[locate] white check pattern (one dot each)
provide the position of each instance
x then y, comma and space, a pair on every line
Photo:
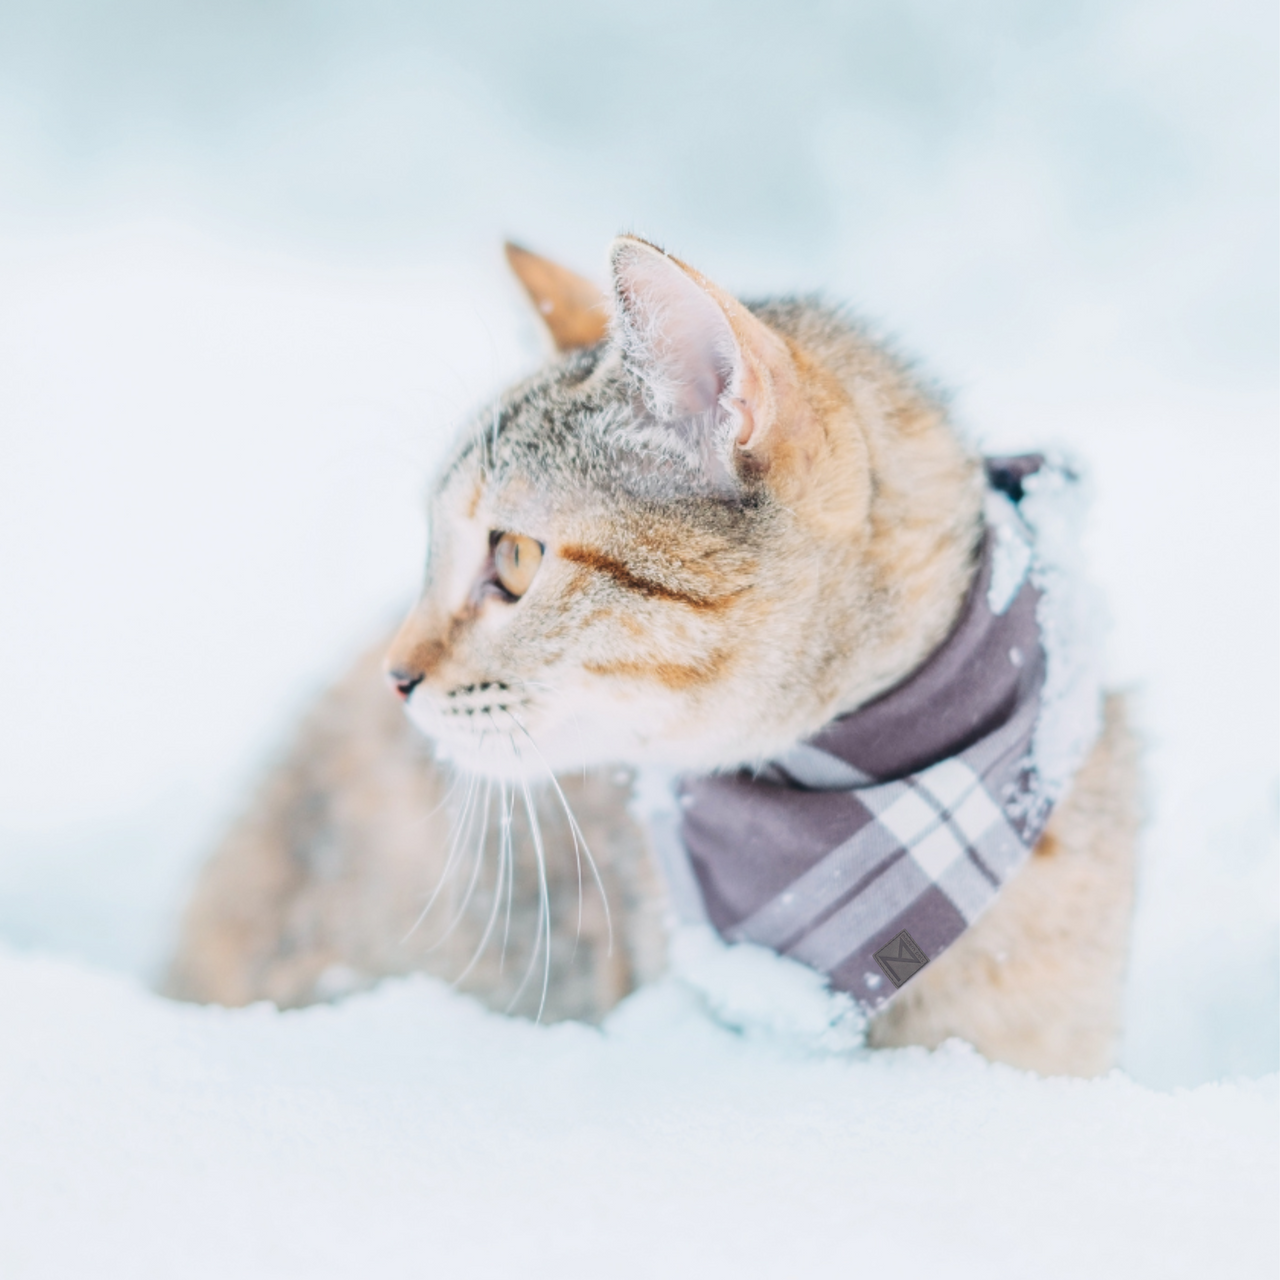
938, 829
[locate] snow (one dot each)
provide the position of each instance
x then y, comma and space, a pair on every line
1011, 551
1068, 614
406, 1132
251, 282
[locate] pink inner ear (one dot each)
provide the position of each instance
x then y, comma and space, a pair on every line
676, 333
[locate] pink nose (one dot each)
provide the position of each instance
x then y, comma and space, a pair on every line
404, 682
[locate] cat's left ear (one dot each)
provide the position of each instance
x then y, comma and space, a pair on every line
575, 312
706, 362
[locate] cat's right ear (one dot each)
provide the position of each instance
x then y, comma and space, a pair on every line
720, 383
575, 312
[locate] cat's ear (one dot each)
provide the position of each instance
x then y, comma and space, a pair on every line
704, 360
575, 312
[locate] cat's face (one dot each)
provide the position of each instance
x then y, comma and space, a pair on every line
654, 550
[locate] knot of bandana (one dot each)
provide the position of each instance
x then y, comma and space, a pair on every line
867, 850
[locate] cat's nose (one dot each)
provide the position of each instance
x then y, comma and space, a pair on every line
404, 682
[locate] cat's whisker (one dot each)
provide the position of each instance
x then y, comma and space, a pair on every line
454, 845
497, 890
495, 366
554, 696
493, 439
478, 862
460, 842
458, 776
506, 850
543, 931
509, 847
579, 840
572, 829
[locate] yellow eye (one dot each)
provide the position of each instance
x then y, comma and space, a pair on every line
515, 561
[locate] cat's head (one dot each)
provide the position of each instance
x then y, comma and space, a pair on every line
669, 544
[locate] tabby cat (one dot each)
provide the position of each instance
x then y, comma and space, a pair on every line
693, 538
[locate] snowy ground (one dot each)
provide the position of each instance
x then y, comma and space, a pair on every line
249, 282
409, 1133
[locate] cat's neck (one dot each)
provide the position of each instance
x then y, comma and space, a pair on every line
912, 565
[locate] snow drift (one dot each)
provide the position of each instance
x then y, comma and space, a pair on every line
408, 1132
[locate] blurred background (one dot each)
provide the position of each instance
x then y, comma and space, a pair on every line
250, 280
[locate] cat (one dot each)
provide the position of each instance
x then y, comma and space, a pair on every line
700, 533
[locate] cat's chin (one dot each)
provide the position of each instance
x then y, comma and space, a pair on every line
531, 751
501, 762
511, 760
515, 760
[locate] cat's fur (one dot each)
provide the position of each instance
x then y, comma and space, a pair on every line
755, 519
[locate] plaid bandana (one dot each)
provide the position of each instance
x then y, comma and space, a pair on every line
868, 850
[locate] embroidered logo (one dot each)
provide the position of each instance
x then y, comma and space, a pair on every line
901, 959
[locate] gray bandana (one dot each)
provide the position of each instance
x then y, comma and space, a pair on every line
866, 851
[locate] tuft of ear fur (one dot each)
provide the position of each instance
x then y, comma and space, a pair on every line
721, 381
673, 333
575, 312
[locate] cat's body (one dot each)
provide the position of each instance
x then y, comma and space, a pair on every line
737, 523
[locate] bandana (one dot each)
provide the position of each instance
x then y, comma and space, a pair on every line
867, 850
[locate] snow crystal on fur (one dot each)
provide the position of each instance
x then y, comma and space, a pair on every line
1069, 613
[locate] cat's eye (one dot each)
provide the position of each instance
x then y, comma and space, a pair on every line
515, 561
